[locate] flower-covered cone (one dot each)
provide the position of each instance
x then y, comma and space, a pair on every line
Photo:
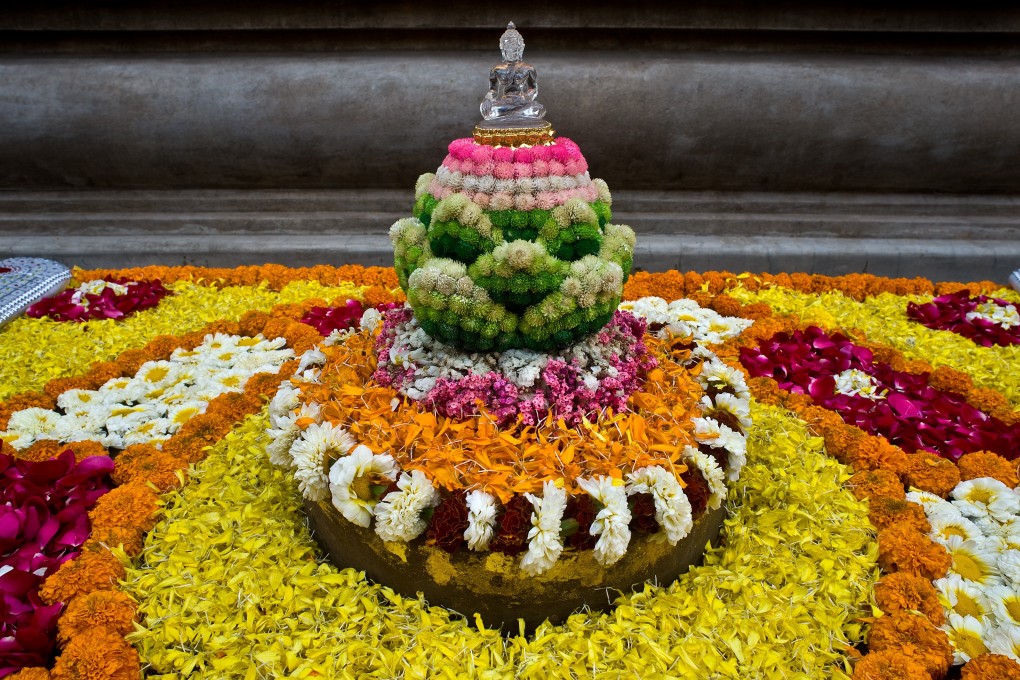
512, 247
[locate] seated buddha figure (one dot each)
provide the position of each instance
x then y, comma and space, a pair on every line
513, 87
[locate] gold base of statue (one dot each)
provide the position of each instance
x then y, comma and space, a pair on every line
533, 135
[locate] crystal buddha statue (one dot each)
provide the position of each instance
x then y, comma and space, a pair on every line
513, 87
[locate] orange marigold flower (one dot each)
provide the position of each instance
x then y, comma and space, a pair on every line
988, 464
701, 298
889, 665
131, 505
990, 667
764, 389
1006, 415
233, 406
948, 379
112, 610
301, 337
102, 371
43, 449
903, 548
917, 366
131, 360
96, 568
873, 453
901, 591
32, 673
913, 636
263, 384
987, 399
19, 402
150, 466
86, 449
884, 512
130, 539
97, 655
162, 346
726, 305
875, 484
931, 473
58, 386
756, 311
377, 295
888, 355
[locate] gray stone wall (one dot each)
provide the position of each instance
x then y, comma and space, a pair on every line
734, 137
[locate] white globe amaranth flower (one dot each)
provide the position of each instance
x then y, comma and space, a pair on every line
421, 186
481, 520
672, 508
544, 542
398, 515
612, 523
345, 474
313, 452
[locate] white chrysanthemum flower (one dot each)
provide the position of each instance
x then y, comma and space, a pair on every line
398, 515
85, 426
717, 376
1005, 603
544, 542
672, 509
945, 525
481, 520
963, 597
728, 403
224, 380
337, 337
930, 502
124, 418
183, 412
967, 636
1005, 639
313, 357
150, 431
986, 496
313, 452
157, 373
711, 432
989, 526
612, 523
371, 319
285, 400
218, 342
288, 429
855, 382
78, 402
973, 560
1008, 563
654, 309
716, 329
350, 479
711, 472
262, 362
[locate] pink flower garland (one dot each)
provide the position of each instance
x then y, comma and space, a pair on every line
913, 414
43, 522
105, 305
949, 313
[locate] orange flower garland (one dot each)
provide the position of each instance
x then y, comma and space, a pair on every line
904, 548
902, 592
885, 511
97, 655
915, 637
931, 473
890, 665
988, 464
991, 667
876, 484
110, 610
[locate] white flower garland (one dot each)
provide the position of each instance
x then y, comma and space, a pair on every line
398, 515
544, 542
672, 508
612, 523
311, 452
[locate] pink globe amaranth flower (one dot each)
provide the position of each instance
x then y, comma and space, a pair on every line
503, 154
482, 199
524, 202
481, 153
501, 201
575, 167
462, 149
540, 168
504, 170
546, 200
556, 169
542, 154
523, 170
524, 155
560, 152
467, 166
435, 187
483, 168
451, 163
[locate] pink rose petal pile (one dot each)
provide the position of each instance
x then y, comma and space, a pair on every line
43, 522
107, 304
949, 313
913, 415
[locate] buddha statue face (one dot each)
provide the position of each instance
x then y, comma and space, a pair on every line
511, 44
513, 87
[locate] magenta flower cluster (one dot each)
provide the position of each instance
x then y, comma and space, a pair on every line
107, 304
949, 313
43, 523
561, 391
913, 415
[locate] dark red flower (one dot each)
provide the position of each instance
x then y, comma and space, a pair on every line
696, 489
449, 521
642, 514
581, 508
329, 319
511, 536
949, 313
